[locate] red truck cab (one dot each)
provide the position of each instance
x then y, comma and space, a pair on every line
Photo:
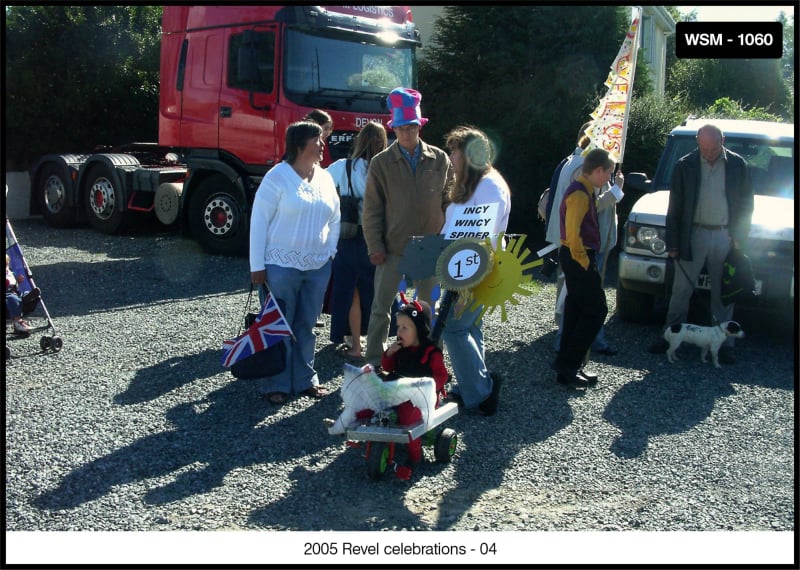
232, 78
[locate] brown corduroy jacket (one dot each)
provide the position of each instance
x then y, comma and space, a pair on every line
399, 204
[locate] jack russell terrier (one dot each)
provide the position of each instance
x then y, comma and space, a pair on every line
707, 338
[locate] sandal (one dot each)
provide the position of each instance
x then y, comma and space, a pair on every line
316, 392
276, 398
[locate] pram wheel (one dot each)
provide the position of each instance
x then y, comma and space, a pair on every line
377, 460
54, 342
445, 446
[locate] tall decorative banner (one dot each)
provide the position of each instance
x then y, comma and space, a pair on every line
610, 124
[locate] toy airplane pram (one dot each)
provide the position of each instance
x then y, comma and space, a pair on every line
365, 389
25, 286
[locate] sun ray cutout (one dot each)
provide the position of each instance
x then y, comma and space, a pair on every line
505, 278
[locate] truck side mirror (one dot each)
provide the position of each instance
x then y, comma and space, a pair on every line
637, 181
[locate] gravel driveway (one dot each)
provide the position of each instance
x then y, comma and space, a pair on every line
134, 425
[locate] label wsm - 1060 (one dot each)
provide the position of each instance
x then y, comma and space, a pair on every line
729, 40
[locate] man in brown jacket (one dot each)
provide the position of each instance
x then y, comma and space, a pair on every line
406, 195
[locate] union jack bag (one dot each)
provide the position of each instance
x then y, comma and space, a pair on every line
261, 350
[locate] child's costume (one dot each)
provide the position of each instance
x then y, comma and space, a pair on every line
417, 361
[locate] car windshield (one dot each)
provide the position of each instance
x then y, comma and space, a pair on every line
771, 162
348, 73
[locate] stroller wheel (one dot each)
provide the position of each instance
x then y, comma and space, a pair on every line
56, 343
445, 446
44, 342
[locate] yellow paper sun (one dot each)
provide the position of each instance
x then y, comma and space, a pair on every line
505, 279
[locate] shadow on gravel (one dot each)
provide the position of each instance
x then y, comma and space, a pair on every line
141, 268
212, 436
533, 407
674, 397
375, 505
660, 404
154, 381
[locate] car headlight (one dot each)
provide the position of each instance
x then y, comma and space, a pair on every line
647, 237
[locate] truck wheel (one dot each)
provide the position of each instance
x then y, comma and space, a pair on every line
445, 446
51, 193
634, 306
104, 200
217, 217
377, 460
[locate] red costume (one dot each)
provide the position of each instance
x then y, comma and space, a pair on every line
425, 360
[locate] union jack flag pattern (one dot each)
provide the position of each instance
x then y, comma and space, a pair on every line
270, 327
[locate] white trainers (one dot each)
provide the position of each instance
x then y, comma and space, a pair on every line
21, 326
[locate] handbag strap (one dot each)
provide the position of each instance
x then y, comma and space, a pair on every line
348, 167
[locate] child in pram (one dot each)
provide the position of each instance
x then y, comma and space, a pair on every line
17, 303
414, 355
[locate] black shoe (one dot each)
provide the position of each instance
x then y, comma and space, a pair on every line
607, 351
658, 347
725, 355
572, 381
489, 406
590, 377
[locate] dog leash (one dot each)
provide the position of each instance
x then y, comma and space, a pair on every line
714, 320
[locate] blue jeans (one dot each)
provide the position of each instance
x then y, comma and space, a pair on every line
464, 341
13, 305
301, 293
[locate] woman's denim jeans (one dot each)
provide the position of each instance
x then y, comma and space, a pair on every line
300, 294
464, 341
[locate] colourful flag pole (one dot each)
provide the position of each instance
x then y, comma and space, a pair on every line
610, 119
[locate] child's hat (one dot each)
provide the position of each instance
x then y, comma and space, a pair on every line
404, 106
415, 311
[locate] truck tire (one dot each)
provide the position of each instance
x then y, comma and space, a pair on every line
104, 200
217, 217
51, 194
634, 306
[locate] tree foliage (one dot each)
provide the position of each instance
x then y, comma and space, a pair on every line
78, 76
527, 75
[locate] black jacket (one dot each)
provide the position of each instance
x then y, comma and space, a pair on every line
683, 200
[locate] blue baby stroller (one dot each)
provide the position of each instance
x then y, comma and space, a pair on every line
29, 293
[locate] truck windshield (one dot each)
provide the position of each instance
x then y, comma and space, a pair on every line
771, 162
349, 75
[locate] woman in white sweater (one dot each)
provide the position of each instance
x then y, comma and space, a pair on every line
477, 183
294, 228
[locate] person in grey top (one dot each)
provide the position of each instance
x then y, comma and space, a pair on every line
710, 209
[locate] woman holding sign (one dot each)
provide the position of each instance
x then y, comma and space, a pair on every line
478, 189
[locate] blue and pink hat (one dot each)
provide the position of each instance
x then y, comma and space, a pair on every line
404, 107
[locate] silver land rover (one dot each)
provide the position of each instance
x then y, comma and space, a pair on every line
768, 149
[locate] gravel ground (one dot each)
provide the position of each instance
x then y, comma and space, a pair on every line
134, 425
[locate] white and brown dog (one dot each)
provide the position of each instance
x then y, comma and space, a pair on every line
707, 338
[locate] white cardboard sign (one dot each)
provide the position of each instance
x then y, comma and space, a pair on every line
471, 221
